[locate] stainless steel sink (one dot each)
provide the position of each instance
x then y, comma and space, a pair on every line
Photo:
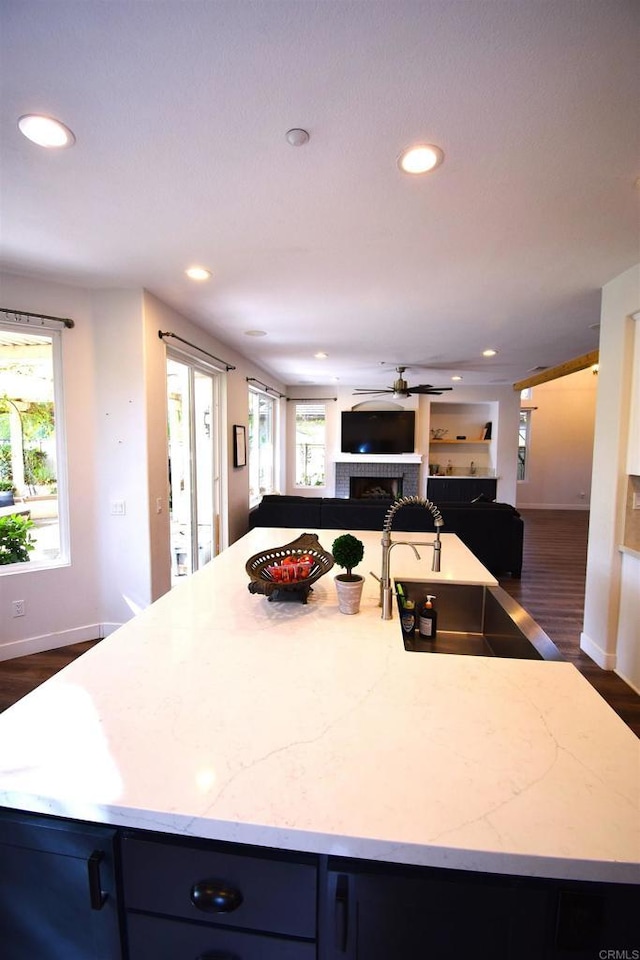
478, 621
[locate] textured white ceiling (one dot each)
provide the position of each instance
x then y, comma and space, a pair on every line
180, 110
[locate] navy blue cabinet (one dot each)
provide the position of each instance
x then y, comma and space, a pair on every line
202, 899
376, 911
58, 890
460, 490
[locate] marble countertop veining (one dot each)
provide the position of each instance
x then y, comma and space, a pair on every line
216, 713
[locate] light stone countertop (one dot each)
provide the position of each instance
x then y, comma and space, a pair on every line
216, 713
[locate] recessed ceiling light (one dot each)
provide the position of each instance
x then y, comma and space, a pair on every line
321, 355
46, 131
489, 353
297, 137
198, 273
420, 159
255, 333
456, 378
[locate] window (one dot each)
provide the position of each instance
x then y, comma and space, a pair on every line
524, 431
32, 458
261, 445
193, 391
310, 444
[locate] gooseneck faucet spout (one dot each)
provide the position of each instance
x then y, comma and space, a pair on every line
388, 544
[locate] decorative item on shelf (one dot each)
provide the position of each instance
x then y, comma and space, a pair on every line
438, 433
461, 436
348, 551
486, 431
472, 469
449, 468
288, 572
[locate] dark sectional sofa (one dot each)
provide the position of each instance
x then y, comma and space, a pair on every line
493, 531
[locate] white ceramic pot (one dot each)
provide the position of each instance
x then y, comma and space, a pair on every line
349, 592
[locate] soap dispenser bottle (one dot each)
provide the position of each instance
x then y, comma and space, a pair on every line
428, 619
408, 618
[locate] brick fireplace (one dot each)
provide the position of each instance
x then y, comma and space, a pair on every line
354, 477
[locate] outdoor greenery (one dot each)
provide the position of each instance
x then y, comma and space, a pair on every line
37, 424
15, 539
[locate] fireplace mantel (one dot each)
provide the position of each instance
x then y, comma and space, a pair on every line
378, 458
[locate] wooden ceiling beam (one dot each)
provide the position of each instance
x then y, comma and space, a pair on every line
552, 373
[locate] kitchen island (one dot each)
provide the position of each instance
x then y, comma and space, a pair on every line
219, 715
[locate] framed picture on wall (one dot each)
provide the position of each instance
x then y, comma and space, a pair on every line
239, 446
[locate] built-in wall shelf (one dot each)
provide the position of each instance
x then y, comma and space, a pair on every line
434, 442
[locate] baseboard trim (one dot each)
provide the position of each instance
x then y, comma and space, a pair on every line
605, 660
552, 506
628, 682
51, 641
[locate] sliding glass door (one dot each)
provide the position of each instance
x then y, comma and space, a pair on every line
194, 464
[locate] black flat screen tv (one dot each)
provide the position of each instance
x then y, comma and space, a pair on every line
378, 431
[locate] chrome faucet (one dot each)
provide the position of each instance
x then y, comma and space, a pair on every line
388, 544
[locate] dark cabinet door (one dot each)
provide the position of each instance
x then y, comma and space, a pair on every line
458, 490
376, 912
58, 899
377, 916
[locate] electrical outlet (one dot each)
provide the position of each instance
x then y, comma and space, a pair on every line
18, 608
118, 508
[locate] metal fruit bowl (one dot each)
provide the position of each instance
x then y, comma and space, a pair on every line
263, 581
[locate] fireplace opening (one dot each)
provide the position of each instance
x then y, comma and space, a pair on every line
375, 488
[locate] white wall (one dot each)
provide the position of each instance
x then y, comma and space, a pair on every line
560, 458
123, 560
115, 414
620, 299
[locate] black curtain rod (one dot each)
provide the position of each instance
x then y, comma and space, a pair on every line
167, 333
312, 398
38, 316
265, 386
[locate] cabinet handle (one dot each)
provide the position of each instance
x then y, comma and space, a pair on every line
96, 896
214, 896
342, 912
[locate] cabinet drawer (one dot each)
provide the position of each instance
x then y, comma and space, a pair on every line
176, 940
264, 894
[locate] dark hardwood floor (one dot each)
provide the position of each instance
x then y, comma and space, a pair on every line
19, 676
551, 590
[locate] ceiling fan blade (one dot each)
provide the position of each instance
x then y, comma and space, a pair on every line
428, 388
358, 391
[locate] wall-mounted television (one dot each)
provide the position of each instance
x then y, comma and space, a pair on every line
378, 431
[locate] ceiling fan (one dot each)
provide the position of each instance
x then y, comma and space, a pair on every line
401, 388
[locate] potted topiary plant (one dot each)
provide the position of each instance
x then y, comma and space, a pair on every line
15, 538
347, 552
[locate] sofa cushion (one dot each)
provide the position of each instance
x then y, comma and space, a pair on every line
283, 511
340, 514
